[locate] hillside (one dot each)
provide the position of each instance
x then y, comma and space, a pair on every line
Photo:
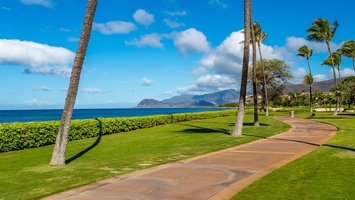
185, 101
321, 86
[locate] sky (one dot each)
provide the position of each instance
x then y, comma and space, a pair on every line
156, 49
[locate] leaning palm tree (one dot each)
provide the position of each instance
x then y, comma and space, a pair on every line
238, 125
348, 50
255, 94
321, 30
304, 52
58, 156
308, 79
260, 36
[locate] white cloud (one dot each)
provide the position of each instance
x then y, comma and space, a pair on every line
191, 40
92, 90
41, 88
347, 72
173, 24
152, 40
38, 58
142, 17
146, 81
176, 13
114, 27
46, 3
294, 43
209, 83
35, 102
219, 2
320, 77
299, 73
227, 58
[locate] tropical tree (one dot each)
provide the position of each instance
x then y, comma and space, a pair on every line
308, 79
304, 52
321, 30
238, 125
348, 90
255, 94
58, 156
336, 60
260, 36
277, 73
348, 50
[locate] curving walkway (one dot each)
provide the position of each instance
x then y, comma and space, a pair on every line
217, 175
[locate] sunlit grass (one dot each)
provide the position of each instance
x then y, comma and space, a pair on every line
326, 173
26, 175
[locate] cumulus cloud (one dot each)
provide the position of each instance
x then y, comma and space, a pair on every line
219, 2
38, 58
191, 40
146, 81
173, 24
92, 90
41, 88
347, 72
294, 43
142, 17
114, 27
319, 77
209, 83
152, 40
46, 3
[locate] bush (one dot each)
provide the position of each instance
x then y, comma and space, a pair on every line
17, 136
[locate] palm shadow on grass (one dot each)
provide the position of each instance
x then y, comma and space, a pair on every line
201, 130
81, 153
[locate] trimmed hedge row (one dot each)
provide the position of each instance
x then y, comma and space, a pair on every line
17, 136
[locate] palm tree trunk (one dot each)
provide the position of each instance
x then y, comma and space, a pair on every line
255, 94
264, 84
335, 79
309, 66
311, 98
58, 156
238, 125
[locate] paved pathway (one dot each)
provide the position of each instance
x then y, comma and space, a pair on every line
216, 176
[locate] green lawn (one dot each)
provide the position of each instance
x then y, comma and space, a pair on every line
26, 175
326, 173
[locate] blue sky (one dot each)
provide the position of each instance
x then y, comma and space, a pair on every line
151, 49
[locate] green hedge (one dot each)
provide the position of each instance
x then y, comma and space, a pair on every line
17, 136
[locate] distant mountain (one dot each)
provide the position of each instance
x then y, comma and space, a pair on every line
321, 86
185, 101
215, 98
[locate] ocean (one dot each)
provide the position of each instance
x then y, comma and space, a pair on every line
10, 116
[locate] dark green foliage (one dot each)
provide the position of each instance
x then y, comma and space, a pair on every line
17, 136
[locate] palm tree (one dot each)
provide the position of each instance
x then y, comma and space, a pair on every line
336, 56
348, 50
304, 52
238, 125
255, 94
308, 79
321, 30
58, 156
260, 36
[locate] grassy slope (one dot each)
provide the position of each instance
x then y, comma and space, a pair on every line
326, 173
26, 175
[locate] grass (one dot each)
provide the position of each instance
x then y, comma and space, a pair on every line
326, 173
25, 174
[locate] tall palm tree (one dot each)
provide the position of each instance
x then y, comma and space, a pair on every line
348, 50
58, 156
304, 52
336, 56
308, 79
255, 94
321, 30
260, 36
238, 125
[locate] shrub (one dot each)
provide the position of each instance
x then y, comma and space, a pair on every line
17, 136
